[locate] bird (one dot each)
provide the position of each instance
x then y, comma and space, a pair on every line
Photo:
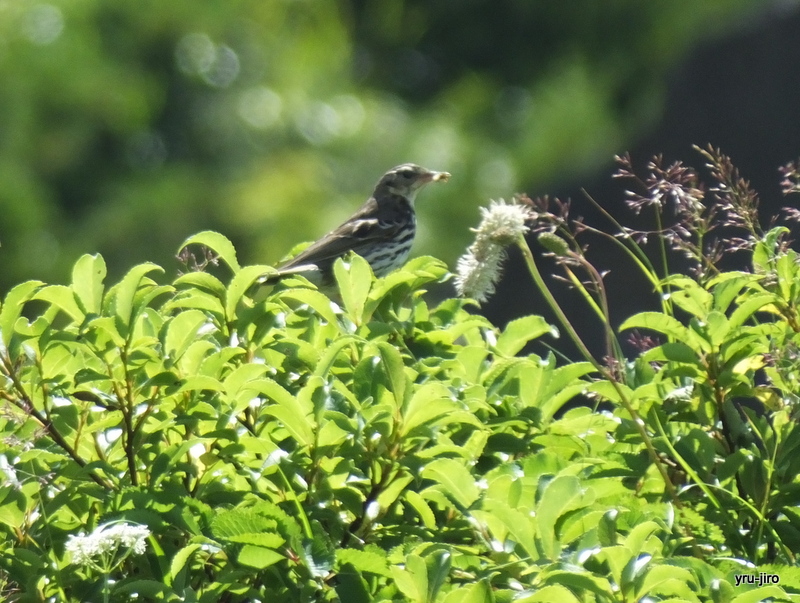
381, 231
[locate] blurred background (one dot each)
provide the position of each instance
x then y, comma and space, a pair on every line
127, 125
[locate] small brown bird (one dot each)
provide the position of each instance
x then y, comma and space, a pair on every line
382, 231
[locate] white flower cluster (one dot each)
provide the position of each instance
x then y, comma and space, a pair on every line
480, 268
106, 540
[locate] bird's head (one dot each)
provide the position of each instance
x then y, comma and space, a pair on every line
406, 180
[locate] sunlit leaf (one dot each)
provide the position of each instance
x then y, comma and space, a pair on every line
12, 307
218, 243
455, 480
125, 295
354, 279
88, 275
519, 332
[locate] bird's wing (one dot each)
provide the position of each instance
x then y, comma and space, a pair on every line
360, 230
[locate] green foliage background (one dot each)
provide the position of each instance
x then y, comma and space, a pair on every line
128, 125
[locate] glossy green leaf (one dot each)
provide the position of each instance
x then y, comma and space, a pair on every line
370, 561
180, 560
12, 306
88, 275
350, 585
562, 494
203, 281
519, 332
354, 279
422, 508
290, 411
62, 298
125, 296
454, 479
412, 580
479, 592
218, 243
320, 303
688, 295
549, 594
392, 364
241, 282
182, 332
259, 557
655, 321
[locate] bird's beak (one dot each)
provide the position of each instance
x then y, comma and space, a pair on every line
437, 177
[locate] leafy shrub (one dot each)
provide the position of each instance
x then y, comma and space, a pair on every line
273, 445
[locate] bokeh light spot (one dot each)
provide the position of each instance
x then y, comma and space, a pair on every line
223, 69
319, 123
260, 107
351, 112
42, 24
195, 54
496, 177
218, 65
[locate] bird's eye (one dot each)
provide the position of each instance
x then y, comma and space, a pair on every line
407, 174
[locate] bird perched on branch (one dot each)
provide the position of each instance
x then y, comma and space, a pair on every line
382, 231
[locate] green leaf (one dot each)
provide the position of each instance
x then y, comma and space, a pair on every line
580, 582
125, 295
618, 558
88, 275
412, 580
391, 492
354, 277
218, 243
675, 351
717, 327
392, 364
764, 593
13, 505
562, 494
656, 321
199, 383
62, 298
197, 300
328, 359
549, 594
229, 524
372, 561
350, 586
479, 592
422, 508
750, 306
639, 535
689, 295
201, 280
669, 581
431, 405
181, 332
241, 282
318, 553
269, 540
456, 481
438, 563
295, 417
12, 307
320, 303
259, 557
519, 332
726, 287
179, 562
145, 589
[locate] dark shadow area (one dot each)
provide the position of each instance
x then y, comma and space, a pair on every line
740, 95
